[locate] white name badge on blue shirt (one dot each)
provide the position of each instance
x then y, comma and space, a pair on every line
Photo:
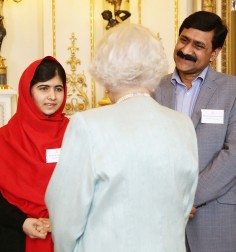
212, 116
52, 155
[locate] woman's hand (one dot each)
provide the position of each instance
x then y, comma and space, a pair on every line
37, 228
34, 228
46, 225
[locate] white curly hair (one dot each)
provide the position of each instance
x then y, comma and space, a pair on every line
129, 55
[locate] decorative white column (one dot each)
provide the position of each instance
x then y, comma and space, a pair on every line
8, 99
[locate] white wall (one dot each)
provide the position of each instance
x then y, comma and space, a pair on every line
23, 42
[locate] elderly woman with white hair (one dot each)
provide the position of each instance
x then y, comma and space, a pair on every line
127, 173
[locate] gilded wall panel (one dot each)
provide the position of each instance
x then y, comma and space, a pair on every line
228, 15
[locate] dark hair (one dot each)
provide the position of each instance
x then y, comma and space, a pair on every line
48, 69
207, 21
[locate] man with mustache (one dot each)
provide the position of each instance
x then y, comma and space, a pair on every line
209, 98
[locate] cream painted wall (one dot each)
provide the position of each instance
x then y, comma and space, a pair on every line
162, 21
29, 31
23, 42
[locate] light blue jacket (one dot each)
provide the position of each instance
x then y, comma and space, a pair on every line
125, 180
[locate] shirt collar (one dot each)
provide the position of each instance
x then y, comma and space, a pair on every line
199, 79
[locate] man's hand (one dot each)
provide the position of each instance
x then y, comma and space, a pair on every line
192, 213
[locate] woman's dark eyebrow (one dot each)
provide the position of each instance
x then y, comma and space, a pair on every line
46, 85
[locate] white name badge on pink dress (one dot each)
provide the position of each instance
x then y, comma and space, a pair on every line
212, 116
52, 155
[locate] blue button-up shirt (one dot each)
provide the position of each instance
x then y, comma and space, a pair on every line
185, 98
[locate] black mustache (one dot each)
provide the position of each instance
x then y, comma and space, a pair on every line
186, 56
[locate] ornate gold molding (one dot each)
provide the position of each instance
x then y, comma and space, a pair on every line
3, 74
176, 20
92, 39
74, 103
77, 99
226, 50
211, 6
140, 11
